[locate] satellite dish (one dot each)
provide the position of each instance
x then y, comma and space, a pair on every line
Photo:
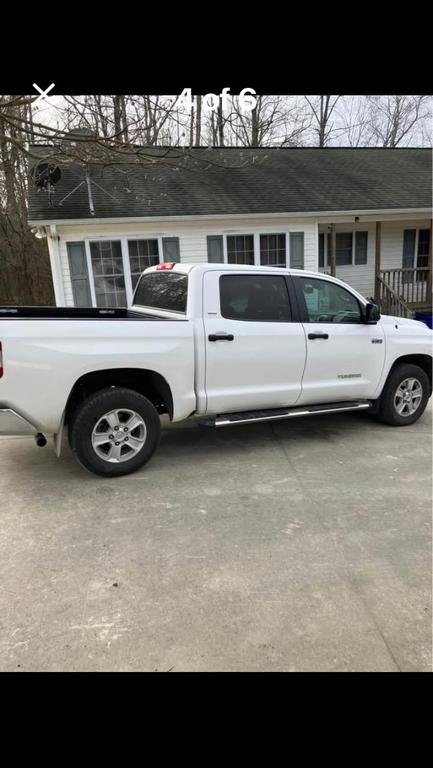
46, 176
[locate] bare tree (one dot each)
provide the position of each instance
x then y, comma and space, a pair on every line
217, 122
24, 263
395, 120
152, 120
354, 122
275, 121
426, 130
220, 124
147, 120
384, 121
322, 111
198, 122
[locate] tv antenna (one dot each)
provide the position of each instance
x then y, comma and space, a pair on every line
87, 182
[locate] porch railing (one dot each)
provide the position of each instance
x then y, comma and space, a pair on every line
410, 285
390, 302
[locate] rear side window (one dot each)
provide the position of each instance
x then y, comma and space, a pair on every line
255, 297
162, 290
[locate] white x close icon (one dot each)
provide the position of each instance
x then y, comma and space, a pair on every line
43, 95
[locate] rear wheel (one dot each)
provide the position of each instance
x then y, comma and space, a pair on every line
114, 431
405, 395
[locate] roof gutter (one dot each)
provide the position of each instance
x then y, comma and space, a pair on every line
329, 215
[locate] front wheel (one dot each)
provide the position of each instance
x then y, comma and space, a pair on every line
405, 395
114, 431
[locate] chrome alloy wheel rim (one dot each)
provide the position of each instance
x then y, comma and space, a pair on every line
119, 435
408, 397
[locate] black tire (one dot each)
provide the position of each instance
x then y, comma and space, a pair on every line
387, 410
89, 413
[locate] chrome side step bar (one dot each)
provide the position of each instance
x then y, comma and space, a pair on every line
250, 417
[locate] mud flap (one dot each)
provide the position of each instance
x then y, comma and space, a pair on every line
57, 437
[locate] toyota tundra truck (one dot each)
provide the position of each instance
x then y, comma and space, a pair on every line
228, 344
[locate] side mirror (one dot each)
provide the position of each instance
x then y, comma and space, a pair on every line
372, 313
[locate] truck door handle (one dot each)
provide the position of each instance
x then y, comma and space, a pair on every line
318, 336
221, 337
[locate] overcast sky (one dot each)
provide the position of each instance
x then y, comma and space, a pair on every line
51, 113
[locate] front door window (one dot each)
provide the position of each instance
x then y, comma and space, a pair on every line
328, 302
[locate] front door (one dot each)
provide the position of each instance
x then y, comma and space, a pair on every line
255, 352
345, 357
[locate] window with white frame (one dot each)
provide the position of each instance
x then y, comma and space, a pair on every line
240, 249
267, 249
350, 249
416, 244
273, 250
108, 275
423, 248
321, 250
361, 246
142, 254
343, 248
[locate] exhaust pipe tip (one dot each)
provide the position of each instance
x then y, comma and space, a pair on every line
41, 440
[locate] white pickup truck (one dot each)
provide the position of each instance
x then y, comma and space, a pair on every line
230, 344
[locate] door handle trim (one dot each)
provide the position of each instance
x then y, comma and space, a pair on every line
318, 336
220, 337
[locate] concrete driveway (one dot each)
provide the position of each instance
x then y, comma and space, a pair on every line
301, 546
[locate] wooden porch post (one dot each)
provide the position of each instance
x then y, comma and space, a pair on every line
430, 267
333, 254
377, 262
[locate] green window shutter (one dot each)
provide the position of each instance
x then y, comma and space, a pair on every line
408, 248
297, 250
361, 240
170, 249
215, 253
79, 274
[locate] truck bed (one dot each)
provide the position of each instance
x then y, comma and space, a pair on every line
73, 313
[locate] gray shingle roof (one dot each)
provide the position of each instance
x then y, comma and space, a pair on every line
204, 181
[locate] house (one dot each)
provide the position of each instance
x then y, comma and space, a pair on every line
362, 214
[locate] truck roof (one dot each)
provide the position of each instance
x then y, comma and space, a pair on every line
206, 267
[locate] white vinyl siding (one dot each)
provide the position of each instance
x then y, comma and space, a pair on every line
193, 246
64, 266
192, 239
56, 270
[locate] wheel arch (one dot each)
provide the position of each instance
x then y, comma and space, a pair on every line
422, 360
145, 381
